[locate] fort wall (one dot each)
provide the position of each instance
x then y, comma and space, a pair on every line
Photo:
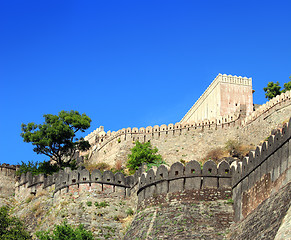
190, 141
262, 173
207, 182
7, 180
226, 94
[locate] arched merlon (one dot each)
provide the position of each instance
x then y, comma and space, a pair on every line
178, 177
66, 178
266, 168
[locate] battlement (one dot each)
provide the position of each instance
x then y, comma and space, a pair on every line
283, 97
100, 139
177, 178
265, 169
69, 181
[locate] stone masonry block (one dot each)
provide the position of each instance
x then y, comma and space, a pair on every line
224, 170
73, 177
162, 174
96, 176
192, 168
176, 171
284, 152
119, 178
245, 162
151, 176
176, 185
251, 162
108, 176
84, 176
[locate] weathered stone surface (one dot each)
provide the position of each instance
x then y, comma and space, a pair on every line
265, 220
182, 218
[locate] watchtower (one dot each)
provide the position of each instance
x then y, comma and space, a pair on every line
226, 94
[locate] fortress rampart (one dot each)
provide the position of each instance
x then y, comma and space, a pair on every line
111, 146
249, 182
68, 181
7, 180
262, 173
207, 182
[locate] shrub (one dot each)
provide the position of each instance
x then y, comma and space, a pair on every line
236, 149
129, 212
65, 231
44, 167
143, 153
216, 154
89, 203
11, 228
101, 204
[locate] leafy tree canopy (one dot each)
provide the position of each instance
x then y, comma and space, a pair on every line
272, 90
143, 153
56, 137
65, 231
11, 228
287, 86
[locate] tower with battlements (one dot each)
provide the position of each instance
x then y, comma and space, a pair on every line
226, 94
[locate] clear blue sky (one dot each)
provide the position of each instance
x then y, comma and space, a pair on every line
130, 63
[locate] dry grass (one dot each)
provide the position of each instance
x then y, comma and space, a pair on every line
216, 154
37, 209
29, 199
41, 193
101, 166
126, 223
118, 165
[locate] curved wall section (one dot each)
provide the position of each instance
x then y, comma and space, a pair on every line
74, 181
206, 182
262, 173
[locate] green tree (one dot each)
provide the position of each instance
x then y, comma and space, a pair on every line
56, 137
11, 228
40, 167
143, 153
272, 90
287, 86
65, 231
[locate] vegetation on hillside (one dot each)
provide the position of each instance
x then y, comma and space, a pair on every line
56, 137
44, 167
273, 89
65, 231
232, 148
143, 153
11, 228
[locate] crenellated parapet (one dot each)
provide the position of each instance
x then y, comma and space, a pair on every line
264, 169
67, 180
178, 178
100, 140
265, 108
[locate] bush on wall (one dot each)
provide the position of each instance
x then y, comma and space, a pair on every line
143, 153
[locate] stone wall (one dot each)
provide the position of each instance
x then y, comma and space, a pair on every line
262, 173
190, 141
226, 94
71, 182
7, 181
184, 202
210, 179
